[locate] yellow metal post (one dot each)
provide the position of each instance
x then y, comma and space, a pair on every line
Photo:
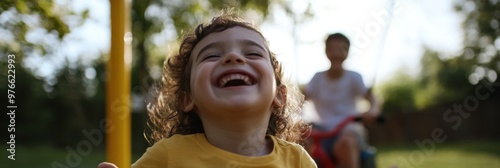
118, 86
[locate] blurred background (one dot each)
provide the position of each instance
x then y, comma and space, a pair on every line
434, 64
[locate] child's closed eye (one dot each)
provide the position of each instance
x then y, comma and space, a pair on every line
211, 57
254, 54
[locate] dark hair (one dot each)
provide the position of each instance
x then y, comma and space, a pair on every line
166, 113
338, 36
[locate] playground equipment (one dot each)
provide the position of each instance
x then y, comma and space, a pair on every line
321, 157
118, 86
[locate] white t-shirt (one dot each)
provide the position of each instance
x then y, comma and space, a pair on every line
335, 99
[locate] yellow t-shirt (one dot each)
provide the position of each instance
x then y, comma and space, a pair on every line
192, 151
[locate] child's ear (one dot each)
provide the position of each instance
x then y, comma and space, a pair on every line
280, 97
187, 103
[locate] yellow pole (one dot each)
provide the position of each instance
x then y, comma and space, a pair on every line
118, 86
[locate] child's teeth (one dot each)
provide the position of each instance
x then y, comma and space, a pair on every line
229, 77
245, 78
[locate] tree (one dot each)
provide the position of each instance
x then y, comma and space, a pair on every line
399, 94
449, 80
35, 28
482, 37
23, 17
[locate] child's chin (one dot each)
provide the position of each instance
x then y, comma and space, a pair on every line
241, 102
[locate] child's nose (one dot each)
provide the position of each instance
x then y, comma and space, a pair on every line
234, 57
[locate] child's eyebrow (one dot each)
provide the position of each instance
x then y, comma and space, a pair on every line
253, 43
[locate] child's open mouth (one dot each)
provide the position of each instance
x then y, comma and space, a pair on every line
235, 79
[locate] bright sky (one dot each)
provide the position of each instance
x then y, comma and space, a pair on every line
412, 25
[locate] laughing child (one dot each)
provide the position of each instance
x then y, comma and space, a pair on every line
223, 103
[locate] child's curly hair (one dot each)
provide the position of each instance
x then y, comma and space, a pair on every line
166, 113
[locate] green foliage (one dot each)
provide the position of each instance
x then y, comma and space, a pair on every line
52, 110
449, 80
440, 81
28, 95
25, 16
399, 94
55, 112
482, 32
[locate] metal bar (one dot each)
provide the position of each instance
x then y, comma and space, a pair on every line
118, 141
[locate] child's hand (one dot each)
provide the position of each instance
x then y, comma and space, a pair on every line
106, 165
369, 118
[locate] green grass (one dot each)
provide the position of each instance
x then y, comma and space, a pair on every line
457, 155
475, 154
44, 156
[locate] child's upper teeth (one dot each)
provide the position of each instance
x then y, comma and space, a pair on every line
229, 77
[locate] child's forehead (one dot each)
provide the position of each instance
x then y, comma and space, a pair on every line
232, 35
236, 32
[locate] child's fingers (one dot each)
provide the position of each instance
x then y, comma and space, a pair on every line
106, 165
369, 118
